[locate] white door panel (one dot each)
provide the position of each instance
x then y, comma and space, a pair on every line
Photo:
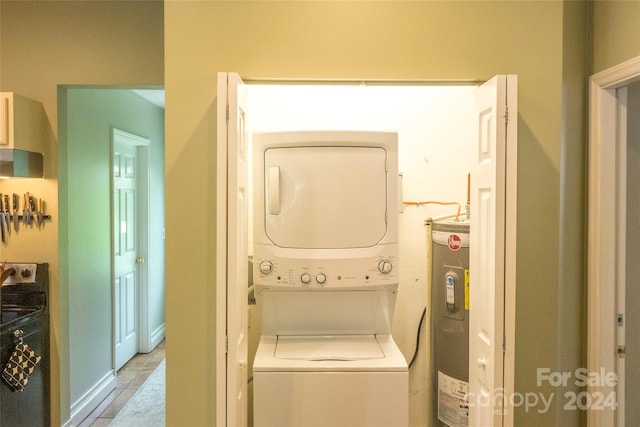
488, 233
125, 251
233, 179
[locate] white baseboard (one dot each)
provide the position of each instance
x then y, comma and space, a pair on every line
157, 336
148, 343
82, 407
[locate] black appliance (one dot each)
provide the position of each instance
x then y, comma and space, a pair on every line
25, 315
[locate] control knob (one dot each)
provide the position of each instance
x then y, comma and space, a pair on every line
385, 266
305, 278
266, 267
321, 278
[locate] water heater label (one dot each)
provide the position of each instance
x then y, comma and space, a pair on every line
466, 289
453, 403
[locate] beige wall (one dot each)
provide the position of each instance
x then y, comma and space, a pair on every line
377, 40
46, 44
572, 198
616, 32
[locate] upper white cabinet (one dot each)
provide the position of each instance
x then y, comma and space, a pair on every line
22, 123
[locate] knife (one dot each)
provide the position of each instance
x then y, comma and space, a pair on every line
25, 209
7, 215
32, 210
16, 202
4, 238
40, 212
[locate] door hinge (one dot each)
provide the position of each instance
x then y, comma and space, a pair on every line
226, 344
227, 113
620, 319
506, 114
621, 351
504, 344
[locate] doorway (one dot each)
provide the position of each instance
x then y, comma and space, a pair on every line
129, 209
86, 121
438, 163
628, 302
434, 157
613, 145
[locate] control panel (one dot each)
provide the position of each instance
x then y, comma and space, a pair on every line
23, 273
340, 273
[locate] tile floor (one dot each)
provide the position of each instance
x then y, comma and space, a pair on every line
129, 378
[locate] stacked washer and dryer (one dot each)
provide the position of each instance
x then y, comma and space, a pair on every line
326, 278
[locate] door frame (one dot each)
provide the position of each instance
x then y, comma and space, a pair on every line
606, 221
510, 225
142, 236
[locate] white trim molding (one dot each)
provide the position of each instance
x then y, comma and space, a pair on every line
82, 407
620, 75
606, 208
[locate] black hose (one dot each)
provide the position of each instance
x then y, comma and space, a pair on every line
415, 353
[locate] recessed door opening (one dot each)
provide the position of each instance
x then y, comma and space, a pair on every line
435, 137
438, 128
613, 153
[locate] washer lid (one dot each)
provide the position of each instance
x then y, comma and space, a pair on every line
334, 347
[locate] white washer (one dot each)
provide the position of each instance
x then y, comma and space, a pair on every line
326, 277
333, 381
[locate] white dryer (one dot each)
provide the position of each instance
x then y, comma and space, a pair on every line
326, 277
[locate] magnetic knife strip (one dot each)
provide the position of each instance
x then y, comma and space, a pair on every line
32, 213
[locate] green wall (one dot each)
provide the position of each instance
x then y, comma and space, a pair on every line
85, 208
436, 40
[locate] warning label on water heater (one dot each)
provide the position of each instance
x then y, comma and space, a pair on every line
453, 405
467, 290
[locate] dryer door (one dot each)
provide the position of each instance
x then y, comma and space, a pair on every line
341, 190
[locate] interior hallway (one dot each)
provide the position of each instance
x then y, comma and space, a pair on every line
129, 379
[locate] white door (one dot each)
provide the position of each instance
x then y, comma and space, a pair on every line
125, 161
492, 232
232, 274
130, 175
